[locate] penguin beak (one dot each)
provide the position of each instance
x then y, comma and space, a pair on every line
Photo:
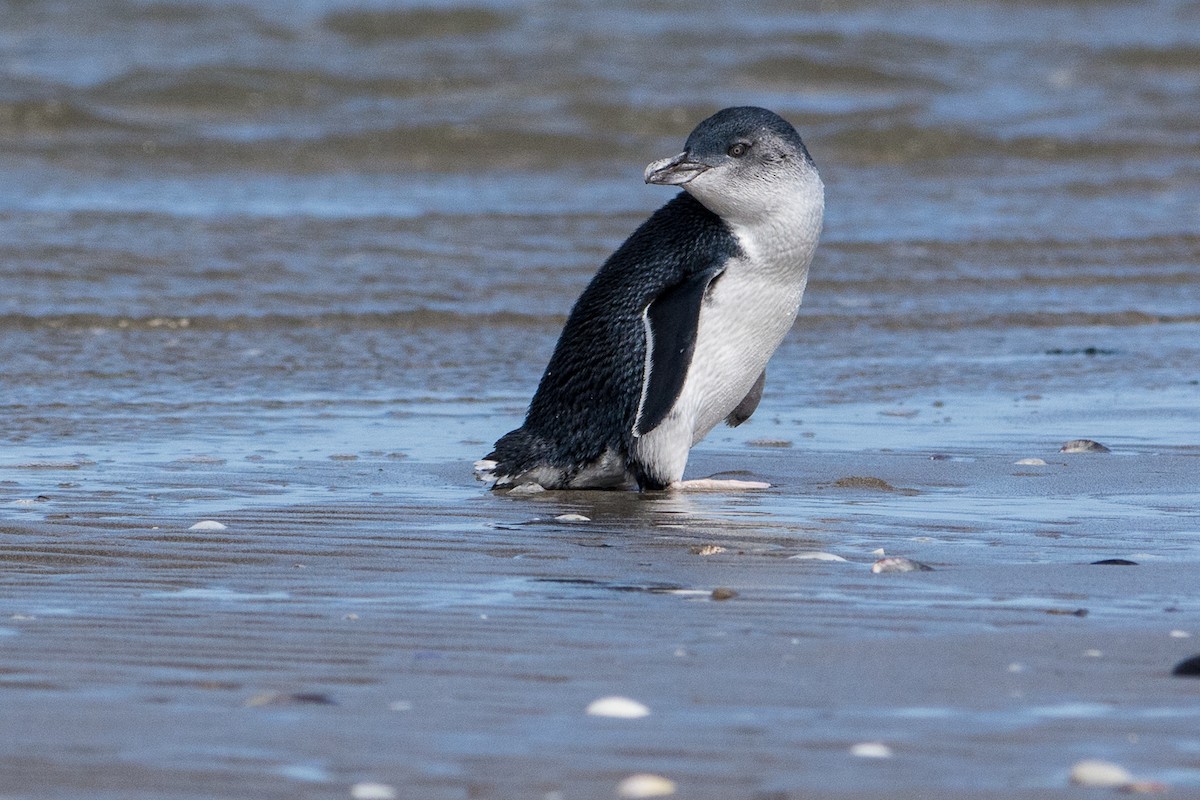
673, 171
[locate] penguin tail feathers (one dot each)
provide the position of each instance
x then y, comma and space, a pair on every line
519, 458
524, 458
485, 469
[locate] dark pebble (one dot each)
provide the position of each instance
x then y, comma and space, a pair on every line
291, 698
312, 697
1115, 562
722, 593
1188, 668
1081, 351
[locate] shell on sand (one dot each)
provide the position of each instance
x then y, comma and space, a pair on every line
1100, 774
871, 750
645, 785
372, 791
816, 555
617, 707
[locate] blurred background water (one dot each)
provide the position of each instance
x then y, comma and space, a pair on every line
216, 203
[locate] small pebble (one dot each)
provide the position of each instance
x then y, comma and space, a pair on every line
1115, 562
1188, 668
294, 698
723, 593
1100, 774
878, 552
372, 791
871, 750
708, 550
645, 785
1093, 654
864, 482
1178, 634
617, 708
208, 525
899, 564
573, 518
199, 459
1144, 787
1031, 462
1083, 446
817, 555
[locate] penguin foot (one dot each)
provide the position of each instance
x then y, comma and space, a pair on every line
717, 485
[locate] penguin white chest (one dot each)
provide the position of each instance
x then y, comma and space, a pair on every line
748, 311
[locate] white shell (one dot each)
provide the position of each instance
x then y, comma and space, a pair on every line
871, 750
817, 555
618, 707
645, 785
372, 791
208, 525
1095, 773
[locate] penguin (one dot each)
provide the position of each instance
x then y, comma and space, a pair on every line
674, 332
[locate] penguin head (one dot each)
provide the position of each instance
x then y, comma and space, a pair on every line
741, 162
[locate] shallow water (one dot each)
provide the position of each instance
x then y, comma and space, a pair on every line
293, 267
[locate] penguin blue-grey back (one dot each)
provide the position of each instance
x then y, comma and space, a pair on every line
673, 333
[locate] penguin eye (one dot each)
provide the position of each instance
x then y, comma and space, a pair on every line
738, 150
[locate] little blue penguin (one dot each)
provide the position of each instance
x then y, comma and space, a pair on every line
673, 334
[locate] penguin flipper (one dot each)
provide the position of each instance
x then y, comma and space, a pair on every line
670, 322
749, 403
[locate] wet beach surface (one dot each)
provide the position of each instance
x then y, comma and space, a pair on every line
293, 268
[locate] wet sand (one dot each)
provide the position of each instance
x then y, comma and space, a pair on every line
375, 619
